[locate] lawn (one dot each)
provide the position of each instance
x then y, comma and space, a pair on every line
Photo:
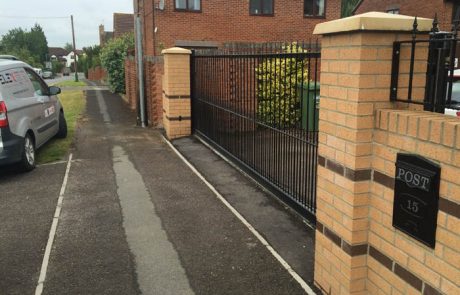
56, 149
70, 83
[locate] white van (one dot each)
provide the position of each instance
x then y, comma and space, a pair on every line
30, 114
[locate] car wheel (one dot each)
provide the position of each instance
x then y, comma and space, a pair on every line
62, 132
28, 154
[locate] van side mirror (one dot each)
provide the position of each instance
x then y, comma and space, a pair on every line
53, 90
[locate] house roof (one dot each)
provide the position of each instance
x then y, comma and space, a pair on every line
122, 23
57, 51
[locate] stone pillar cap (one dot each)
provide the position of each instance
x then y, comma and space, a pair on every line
373, 21
176, 50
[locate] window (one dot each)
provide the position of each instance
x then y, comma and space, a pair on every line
456, 12
314, 8
188, 5
261, 7
39, 86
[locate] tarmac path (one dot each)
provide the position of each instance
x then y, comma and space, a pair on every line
134, 220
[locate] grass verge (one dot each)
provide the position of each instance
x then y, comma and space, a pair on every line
70, 83
56, 149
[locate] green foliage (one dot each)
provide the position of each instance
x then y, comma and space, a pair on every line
112, 58
29, 46
348, 6
68, 46
57, 66
278, 79
90, 59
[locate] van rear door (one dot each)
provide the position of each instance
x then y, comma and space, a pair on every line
18, 94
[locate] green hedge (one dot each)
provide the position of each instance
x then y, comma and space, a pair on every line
278, 79
113, 55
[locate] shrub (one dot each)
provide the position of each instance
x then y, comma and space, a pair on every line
113, 55
57, 67
278, 79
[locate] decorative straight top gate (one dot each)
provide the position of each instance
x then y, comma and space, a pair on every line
260, 109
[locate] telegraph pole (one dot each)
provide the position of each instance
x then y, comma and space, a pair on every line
74, 50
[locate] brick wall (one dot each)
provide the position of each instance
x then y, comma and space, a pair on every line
154, 68
398, 264
358, 251
131, 82
413, 7
97, 74
153, 71
229, 21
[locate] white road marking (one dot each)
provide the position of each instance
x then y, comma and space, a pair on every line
264, 242
49, 245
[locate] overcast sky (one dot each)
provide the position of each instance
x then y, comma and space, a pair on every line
88, 15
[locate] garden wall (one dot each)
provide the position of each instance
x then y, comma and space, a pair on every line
153, 67
358, 250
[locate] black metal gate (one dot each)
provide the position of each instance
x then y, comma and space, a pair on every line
260, 109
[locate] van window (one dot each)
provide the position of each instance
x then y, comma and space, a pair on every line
39, 86
15, 83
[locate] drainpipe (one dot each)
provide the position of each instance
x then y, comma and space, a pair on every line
140, 69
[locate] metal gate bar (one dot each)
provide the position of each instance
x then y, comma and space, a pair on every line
260, 110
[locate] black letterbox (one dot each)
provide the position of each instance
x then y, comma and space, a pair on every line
415, 208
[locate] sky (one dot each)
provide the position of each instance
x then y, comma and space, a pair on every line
88, 15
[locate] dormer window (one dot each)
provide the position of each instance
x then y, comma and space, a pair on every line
188, 5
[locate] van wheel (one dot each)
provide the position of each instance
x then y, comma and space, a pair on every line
28, 154
62, 132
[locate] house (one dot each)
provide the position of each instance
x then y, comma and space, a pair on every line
199, 24
205, 23
104, 36
57, 54
123, 23
70, 57
446, 10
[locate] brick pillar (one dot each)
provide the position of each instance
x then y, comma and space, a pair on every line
355, 82
176, 92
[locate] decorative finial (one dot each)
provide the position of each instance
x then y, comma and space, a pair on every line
415, 31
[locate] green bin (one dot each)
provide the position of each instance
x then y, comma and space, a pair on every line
310, 105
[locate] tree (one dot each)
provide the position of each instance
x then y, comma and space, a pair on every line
68, 46
29, 46
92, 58
113, 56
37, 43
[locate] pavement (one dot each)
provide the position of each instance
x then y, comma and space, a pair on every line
135, 219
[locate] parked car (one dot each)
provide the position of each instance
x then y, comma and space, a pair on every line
66, 72
9, 57
30, 114
48, 74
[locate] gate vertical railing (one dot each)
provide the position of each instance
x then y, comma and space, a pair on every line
260, 109
440, 76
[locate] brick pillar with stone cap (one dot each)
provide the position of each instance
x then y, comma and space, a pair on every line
176, 92
356, 60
